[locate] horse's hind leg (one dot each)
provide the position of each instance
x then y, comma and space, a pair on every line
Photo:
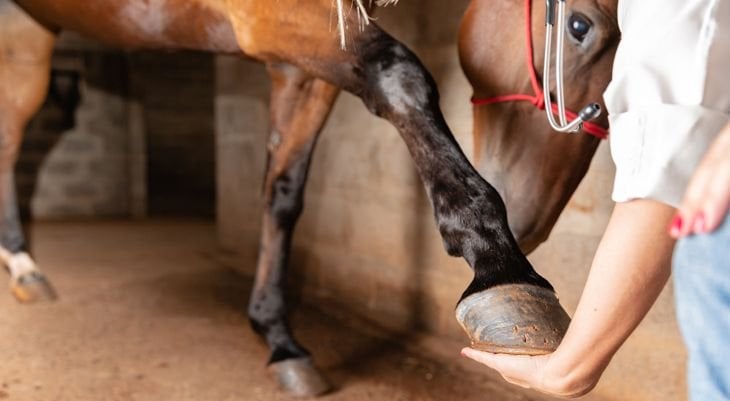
300, 105
25, 54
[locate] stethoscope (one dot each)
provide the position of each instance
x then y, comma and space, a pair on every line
588, 112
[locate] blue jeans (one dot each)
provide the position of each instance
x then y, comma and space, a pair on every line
702, 292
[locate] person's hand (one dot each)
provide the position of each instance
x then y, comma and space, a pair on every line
533, 372
707, 198
631, 266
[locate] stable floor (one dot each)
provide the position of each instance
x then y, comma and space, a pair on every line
150, 311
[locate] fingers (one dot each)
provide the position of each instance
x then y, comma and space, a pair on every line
516, 369
499, 362
718, 198
705, 208
530, 372
707, 197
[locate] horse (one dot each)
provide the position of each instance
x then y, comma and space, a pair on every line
534, 169
308, 68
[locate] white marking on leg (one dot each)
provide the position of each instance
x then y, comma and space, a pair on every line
19, 264
403, 87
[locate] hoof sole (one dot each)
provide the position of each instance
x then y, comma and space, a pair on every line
299, 377
32, 287
515, 319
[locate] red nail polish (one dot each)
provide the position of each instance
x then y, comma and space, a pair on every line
676, 226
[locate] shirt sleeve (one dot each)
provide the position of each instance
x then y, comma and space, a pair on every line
670, 94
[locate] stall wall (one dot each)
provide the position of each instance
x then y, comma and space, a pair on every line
141, 142
367, 238
78, 171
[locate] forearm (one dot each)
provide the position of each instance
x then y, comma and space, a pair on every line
629, 270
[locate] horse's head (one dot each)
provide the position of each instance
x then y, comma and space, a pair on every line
535, 169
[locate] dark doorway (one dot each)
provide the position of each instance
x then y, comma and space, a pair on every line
177, 91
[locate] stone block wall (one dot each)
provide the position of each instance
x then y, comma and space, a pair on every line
142, 142
81, 171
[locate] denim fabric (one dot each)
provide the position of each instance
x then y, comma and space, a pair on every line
702, 292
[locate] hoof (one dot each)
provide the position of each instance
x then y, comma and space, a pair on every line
299, 377
515, 319
32, 287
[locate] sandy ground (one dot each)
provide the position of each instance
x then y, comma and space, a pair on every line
149, 312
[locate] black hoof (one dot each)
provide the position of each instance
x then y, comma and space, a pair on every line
32, 287
299, 377
513, 319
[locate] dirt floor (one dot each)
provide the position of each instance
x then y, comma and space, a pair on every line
149, 312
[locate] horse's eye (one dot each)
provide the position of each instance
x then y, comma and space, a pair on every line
579, 26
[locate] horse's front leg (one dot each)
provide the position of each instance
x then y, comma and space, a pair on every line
508, 307
25, 52
299, 107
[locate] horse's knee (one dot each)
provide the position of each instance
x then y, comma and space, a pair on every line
10, 140
285, 187
396, 83
286, 203
11, 136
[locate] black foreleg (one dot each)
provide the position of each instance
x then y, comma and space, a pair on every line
508, 307
469, 212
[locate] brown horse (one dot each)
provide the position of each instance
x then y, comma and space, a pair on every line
308, 67
534, 169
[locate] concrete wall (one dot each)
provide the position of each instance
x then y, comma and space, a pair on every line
367, 236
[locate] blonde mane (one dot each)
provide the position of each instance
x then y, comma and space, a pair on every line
363, 17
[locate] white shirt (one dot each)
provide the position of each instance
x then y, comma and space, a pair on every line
670, 93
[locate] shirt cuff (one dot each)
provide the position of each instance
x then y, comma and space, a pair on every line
656, 149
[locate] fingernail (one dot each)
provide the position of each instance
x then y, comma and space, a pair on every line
676, 226
699, 226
